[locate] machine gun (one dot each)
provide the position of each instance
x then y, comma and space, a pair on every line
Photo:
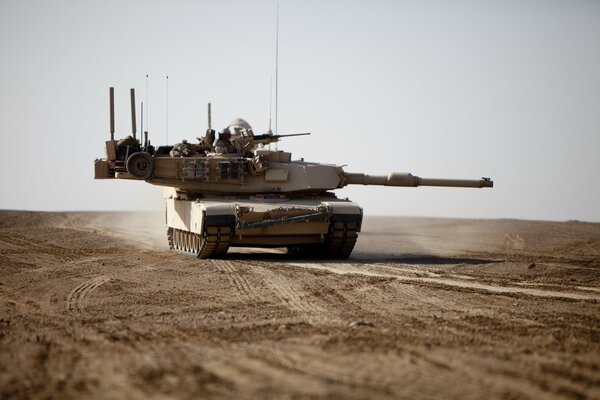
270, 138
249, 142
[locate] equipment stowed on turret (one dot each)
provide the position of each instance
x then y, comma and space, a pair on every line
249, 196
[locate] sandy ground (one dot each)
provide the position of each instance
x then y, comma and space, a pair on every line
93, 305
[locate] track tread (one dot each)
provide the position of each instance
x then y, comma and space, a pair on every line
338, 244
340, 240
214, 242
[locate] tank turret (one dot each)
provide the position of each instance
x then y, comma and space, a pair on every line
235, 192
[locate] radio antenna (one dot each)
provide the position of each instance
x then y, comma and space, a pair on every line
270, 132
276, 66
276, 70
167, 82
147, 105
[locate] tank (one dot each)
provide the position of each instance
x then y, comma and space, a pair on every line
235, 191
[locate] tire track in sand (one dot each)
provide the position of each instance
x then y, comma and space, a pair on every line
393, 288
76, 298
427, 297
318, 364
450, 282
287, 292
283, 290
237, 280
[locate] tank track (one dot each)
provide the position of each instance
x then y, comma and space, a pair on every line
213, 243
340, 240
339, 243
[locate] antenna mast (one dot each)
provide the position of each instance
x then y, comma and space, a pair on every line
147, 105
167, 81
270, 103
276, 67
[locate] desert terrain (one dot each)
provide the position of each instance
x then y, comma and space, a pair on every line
94, 305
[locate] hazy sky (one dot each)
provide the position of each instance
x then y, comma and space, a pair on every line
452, 89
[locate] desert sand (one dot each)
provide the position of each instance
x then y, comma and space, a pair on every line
94, 305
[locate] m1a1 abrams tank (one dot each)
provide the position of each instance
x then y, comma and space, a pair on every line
235, 193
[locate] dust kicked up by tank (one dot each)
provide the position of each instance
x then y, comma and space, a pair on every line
229, 190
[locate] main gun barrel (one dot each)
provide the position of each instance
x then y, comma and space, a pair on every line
407, 179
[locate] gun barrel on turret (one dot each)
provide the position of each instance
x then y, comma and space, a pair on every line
407, 179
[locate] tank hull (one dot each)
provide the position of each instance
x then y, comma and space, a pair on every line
320, 226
